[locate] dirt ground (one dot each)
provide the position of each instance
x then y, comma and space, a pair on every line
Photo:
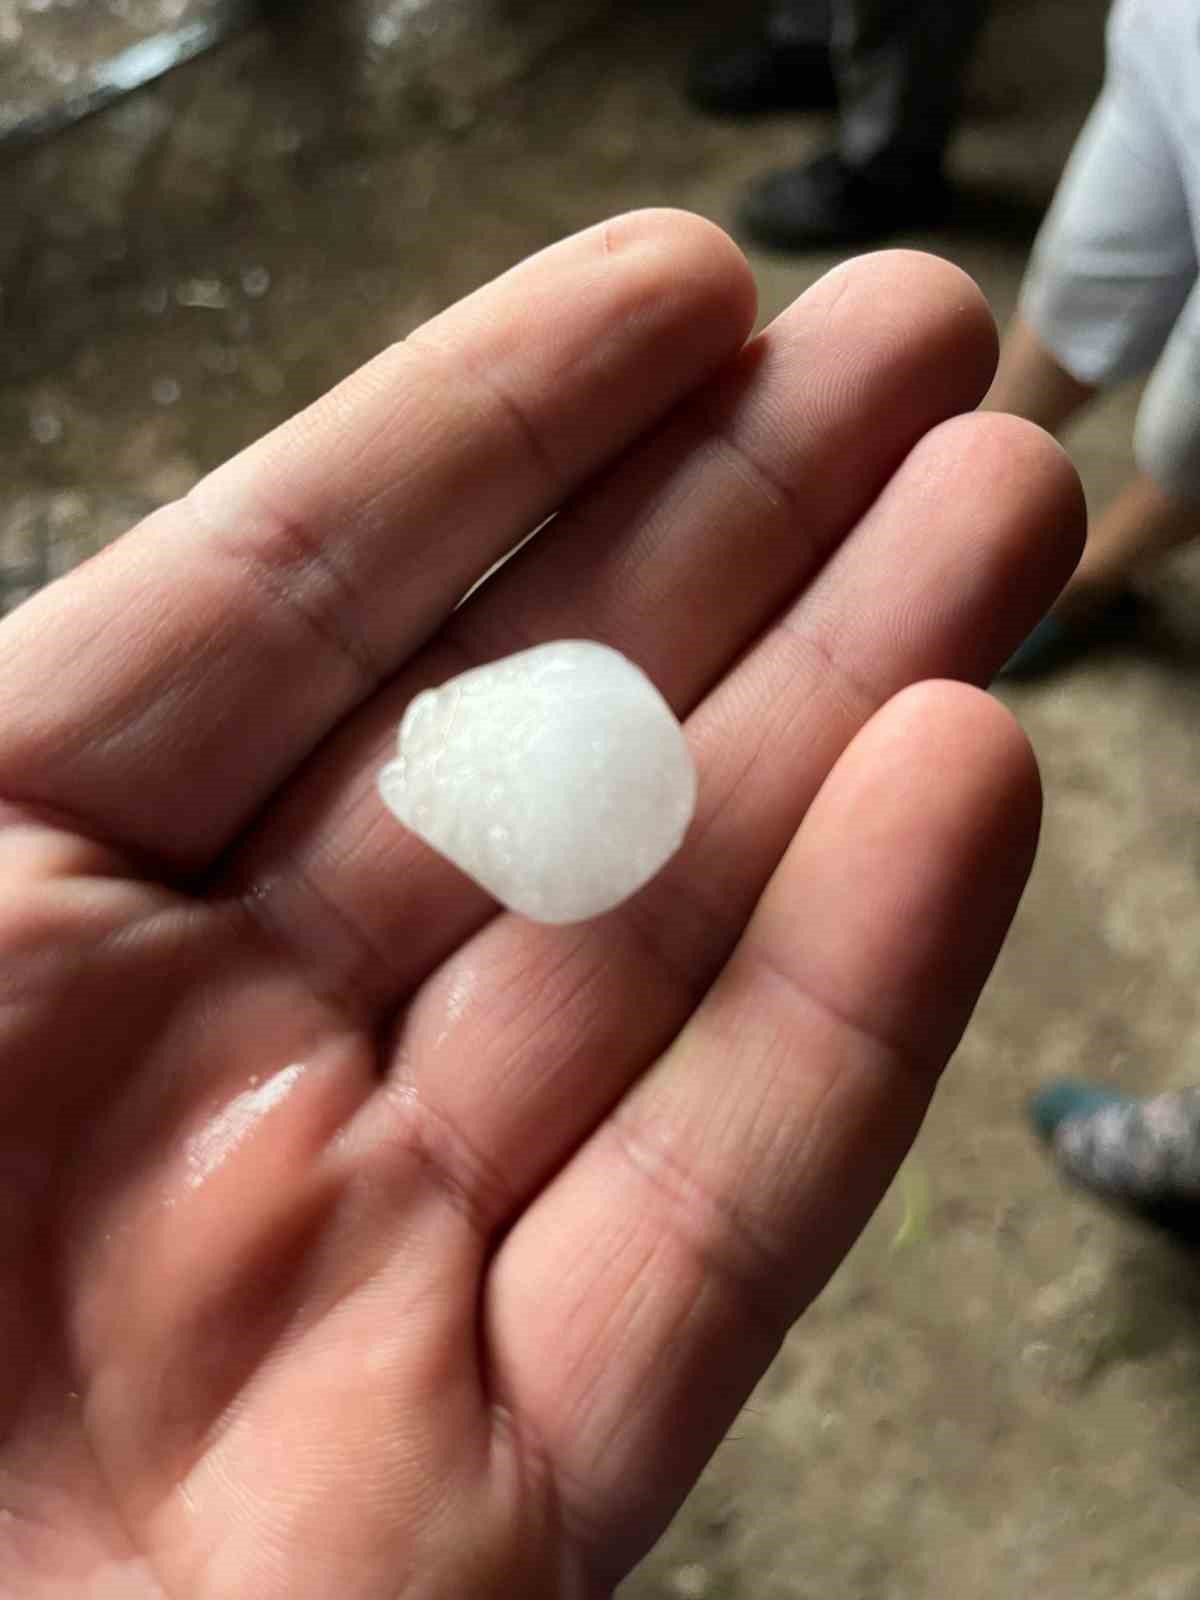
996, 1398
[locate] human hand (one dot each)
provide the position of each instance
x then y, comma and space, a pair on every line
362, 1241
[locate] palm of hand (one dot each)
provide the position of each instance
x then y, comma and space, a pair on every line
216, 1282
363, 1241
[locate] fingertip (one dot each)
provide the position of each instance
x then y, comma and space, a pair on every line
923, 837
914, 292
1035, 457
949, 287
691, 259
986, 518
997, 781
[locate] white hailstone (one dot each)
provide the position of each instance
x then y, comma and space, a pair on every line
558, 778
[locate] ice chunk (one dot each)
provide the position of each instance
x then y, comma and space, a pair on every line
558, 778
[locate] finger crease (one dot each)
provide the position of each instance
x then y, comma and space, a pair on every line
688, 961
711, 1227
484, 379
860, 697
777, 488
876, 1039
368, 986
474, 1187
291, 566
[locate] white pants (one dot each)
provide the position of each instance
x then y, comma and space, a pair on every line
1112, 288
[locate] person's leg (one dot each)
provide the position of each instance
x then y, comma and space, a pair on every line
1159, 509
1032, 383
1109, 293
1156, 511
1140, 526
899, 66
781, 62
800, 22
1137, 528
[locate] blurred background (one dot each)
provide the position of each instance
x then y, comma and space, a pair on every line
997, 1397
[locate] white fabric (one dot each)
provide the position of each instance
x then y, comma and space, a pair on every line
1112, 287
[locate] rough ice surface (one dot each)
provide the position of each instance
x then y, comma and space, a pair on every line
559, 778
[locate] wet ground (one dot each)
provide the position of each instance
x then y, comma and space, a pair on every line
1002, 1402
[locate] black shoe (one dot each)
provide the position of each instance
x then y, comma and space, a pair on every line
762, 75
828, 203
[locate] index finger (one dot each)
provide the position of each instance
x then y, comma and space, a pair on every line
160, 694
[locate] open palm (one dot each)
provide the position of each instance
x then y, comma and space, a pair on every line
363, 1241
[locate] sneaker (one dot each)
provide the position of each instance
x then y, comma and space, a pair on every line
1142, 1156
760, 75
827, 203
